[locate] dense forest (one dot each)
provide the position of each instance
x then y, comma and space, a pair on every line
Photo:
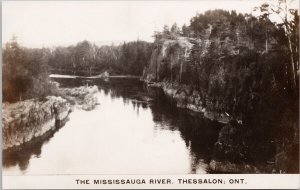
26, 70
88, 59
232, 57
216, 38
244, 66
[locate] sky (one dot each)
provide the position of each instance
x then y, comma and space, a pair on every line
62, 23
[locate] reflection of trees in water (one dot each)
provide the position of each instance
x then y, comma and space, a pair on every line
130, 90
198, 133
137, 105
22, 155
106, 91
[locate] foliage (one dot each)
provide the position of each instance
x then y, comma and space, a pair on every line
240, 63
243, 66
24, 72
88, 59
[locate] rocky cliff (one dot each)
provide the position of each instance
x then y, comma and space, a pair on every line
239, 85
171, 68
27, 120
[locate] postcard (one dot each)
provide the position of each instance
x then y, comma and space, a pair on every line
196, 94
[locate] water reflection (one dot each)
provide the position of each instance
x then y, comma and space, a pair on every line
20, 158
135, 130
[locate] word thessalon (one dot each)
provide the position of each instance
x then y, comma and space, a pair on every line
211, 181
201, 181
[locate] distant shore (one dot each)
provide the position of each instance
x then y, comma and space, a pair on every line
92, 77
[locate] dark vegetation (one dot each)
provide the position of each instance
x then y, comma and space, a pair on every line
243, 65
88, 59
235, 63
26, 70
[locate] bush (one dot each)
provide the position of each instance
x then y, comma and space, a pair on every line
25, 73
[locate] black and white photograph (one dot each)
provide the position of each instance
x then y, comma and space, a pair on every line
130, 88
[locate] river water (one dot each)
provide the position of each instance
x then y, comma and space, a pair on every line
135, 130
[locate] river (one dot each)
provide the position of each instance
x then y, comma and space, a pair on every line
135, 130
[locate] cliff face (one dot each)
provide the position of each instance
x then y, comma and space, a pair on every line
23, 121
229, 82
225, 69
26, 120
176, 67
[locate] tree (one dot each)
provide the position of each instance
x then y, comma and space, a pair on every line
13, 70
166, 32
85, 56
25, 72
175, 31
185, 31
266, 21
280, 9
157, 36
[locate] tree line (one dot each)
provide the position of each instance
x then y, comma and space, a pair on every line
243, 65
225, 36
89, 59
222, 38
26, 70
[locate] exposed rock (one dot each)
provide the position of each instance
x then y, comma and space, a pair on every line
89, 102
225, 83
83, 97
229, 167
25, 120
189, 98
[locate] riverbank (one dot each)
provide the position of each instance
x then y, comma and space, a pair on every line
26, 120
101, 76
232, 150
187, 97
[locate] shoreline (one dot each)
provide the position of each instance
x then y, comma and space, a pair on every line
190, 99
84, 98
93, 77
24, 121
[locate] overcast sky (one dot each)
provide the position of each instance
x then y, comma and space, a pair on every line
47, 23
